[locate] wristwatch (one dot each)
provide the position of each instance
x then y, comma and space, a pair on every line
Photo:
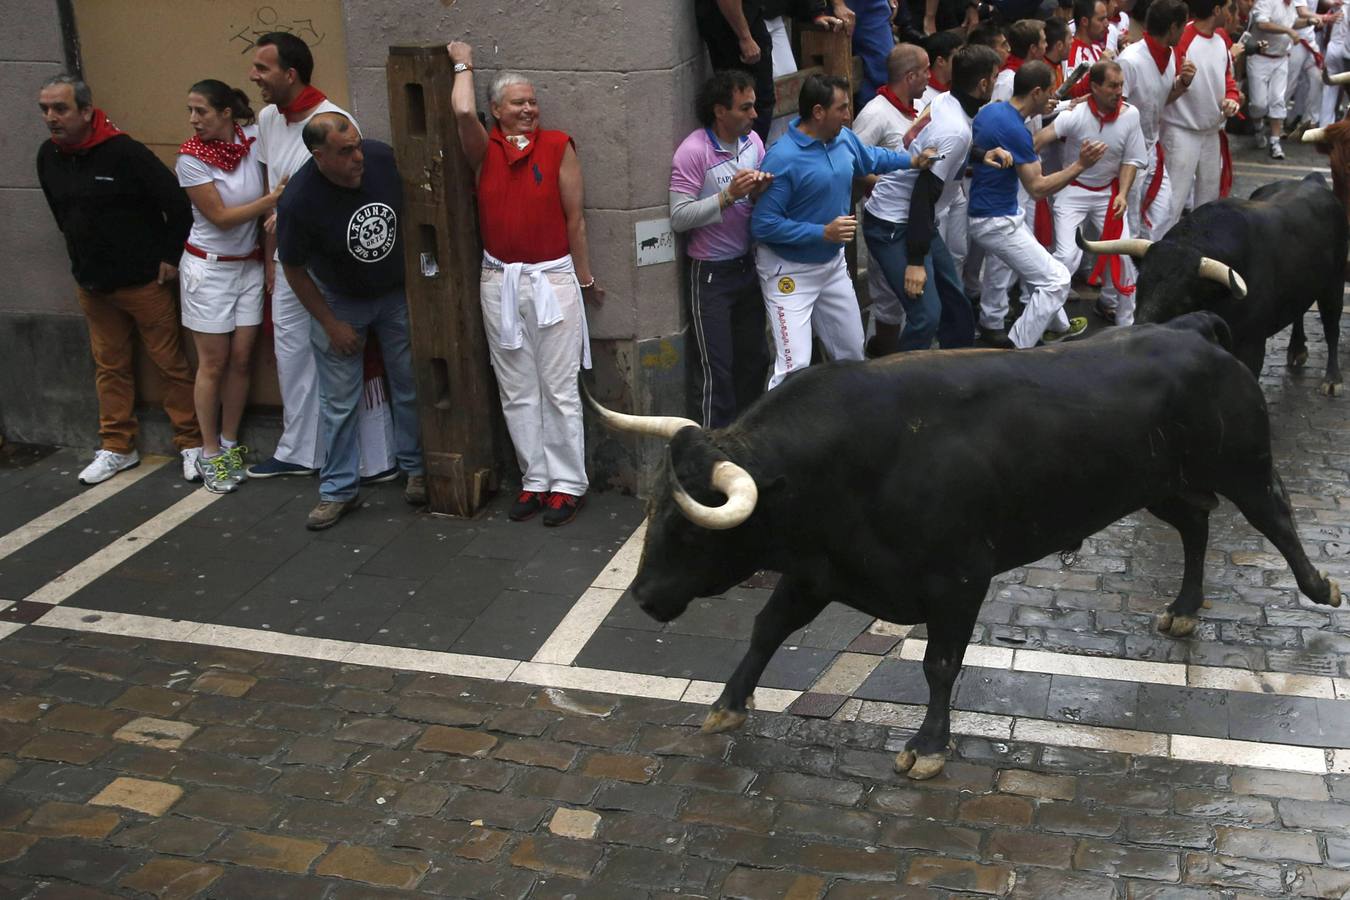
463, 67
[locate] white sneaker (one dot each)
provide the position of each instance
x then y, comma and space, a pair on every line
190, 457
1276, 151
106, 464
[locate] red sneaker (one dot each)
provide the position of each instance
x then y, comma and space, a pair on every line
527, 504
562, 508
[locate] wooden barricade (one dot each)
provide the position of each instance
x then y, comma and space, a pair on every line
456, 392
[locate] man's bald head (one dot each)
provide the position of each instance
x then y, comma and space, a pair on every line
903, 60
317, 129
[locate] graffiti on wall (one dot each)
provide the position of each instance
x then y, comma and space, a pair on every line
271, 18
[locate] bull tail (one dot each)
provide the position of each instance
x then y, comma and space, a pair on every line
1209, 324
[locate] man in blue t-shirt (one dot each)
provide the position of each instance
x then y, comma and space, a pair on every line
338, 242
996, 217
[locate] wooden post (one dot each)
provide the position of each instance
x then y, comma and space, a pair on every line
456, 392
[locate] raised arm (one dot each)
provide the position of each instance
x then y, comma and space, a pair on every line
472, 135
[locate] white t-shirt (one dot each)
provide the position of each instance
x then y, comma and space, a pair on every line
280, 146
1146, 88
880, 124
1198, 109
1124, 142
1116, 30
1003, 86
1274, 12
949, 133
243, 185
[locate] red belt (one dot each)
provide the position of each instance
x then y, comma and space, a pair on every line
1112, 229
1088, 187
1154, 186
255, 253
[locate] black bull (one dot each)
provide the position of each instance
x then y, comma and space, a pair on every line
901, 487
1287, 243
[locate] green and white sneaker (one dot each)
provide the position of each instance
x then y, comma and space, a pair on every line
215, 474
1077, 326
234, 458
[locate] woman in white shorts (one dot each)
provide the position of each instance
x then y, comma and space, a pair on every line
221, 272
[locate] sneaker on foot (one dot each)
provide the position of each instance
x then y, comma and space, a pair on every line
382, 477
327, 513
1276, 151
561, 508
527, 504
1077, 326
214, 473
995, 337
1259, 141
106, 464
234, 458
415, 491
274, 467
1106, 313
190, 457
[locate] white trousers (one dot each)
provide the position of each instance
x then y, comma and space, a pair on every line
1194, 163
1074, 206
998, 277
784, 63
1267, 84
1337, 62
1162, 204
1303, 92
537, 383
953, 225
299, 383
806, 299
1045, 279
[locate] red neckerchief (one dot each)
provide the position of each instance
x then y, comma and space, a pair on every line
100, 130
1103, 119
906, 110
935, 84
513, 152
309, 98
1012, 63
1158, 50
225, 155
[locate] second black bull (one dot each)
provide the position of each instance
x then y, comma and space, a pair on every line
901, 487
1260, 264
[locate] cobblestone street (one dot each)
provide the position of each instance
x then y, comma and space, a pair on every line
199, 698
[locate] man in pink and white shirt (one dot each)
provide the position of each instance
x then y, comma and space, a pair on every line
1152, 80
1192, 124
713, 182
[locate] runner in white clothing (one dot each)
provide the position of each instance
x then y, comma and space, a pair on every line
1099, 194
1274, 22
1151, 82
282, 66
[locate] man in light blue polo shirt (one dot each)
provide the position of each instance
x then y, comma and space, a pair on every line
803, 221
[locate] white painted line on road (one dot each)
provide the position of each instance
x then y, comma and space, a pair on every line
577, 627
619, 572
997, 727
1240, 164
81, 503
846, 674
1285, 683
1049, 663
129, 544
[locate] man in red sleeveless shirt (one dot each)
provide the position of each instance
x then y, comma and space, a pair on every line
536, 273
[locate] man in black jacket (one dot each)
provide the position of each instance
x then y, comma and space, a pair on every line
124, 218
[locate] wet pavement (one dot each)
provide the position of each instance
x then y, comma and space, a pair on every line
201, 699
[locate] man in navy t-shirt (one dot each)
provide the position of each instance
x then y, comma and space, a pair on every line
338, 242
996, 218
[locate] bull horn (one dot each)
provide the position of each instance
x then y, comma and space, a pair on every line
1316, 135
1214, 270
1339, 78
656, 426
742, 495
1135, 247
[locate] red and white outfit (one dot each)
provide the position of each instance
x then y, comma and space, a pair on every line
1088, 197
220, 276
1150, 70
1120, 28
883, 122
532, 308
1268, 70
281, 148
1080, 52
1192, 125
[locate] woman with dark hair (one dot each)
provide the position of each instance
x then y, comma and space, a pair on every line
221, 272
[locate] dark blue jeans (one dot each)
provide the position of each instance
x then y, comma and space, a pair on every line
943, 309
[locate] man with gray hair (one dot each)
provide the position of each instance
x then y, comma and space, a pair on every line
125, 220
338, 242
536, 275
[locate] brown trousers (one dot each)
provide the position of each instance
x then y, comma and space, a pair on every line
149, 310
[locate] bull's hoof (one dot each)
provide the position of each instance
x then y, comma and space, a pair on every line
1177, 626
1297, 360
919, 766
1333, 590
723, 720
1332, 389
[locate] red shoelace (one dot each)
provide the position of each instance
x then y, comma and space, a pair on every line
558, 501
